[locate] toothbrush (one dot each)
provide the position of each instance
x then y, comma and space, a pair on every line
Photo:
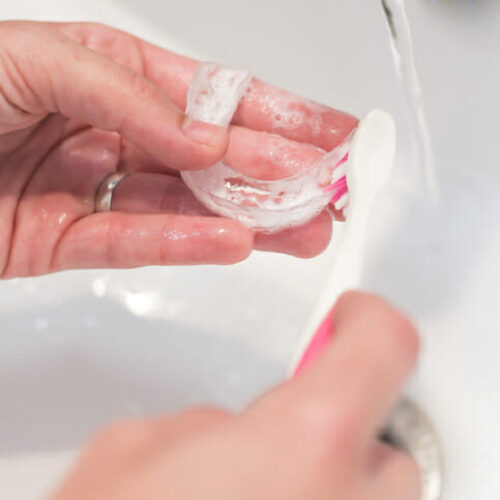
368, 169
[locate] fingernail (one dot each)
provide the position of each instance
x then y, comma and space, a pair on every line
203, 133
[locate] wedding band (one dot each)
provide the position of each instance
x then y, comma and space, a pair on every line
104, 195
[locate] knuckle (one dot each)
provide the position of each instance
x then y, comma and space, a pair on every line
141, 89
136, 89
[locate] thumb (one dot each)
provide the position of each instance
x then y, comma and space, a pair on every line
356, 380
54, 74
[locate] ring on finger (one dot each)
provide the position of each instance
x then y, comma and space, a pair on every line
103, 201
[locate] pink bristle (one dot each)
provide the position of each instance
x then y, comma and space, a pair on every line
339, 182
340, 188
343, 160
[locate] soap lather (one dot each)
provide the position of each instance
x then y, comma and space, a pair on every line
261, 205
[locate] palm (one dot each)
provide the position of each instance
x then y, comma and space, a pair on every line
63, 162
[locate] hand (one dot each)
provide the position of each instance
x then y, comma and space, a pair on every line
80, 101
312, 438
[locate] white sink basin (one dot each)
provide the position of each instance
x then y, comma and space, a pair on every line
79, 349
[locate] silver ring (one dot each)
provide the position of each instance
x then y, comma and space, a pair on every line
104, 194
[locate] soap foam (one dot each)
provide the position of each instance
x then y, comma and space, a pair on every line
286, 111
215, 92
267, 206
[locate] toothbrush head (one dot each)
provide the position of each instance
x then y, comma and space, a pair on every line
274, 205
367, 165
371, 156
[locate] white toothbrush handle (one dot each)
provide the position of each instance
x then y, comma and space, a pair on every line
368, 170
344, 274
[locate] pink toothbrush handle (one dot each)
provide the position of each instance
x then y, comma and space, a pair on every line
317, 344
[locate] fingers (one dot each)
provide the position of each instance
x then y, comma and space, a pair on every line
171, 72
269, 157
305, 241
355, 382
266, 107
275, 110
93, 88
120, 240
143, 193
256, 154
378, 347
135, 159
157, 193
259, 155
391, 475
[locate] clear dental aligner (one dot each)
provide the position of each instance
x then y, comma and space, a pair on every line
267, 206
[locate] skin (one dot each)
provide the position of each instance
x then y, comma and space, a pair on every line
80, 101
313, 437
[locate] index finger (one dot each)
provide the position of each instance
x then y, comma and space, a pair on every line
271, 109
356, 381
265, 108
